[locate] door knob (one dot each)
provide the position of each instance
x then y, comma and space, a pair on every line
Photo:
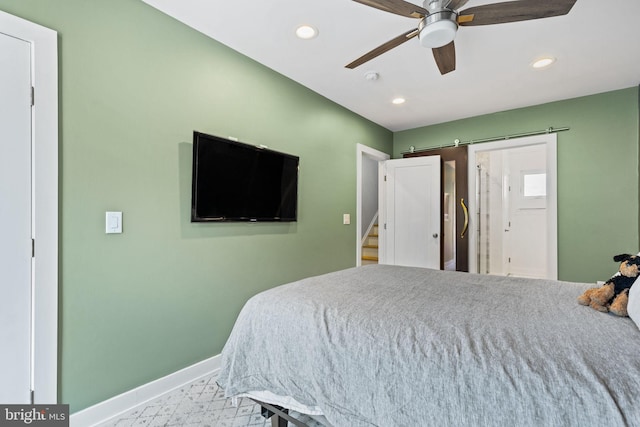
435, 235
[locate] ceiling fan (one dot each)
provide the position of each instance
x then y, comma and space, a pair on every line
439, 21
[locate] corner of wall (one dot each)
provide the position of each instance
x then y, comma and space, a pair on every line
638, 148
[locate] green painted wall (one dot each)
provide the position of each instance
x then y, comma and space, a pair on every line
597, 172
134, 84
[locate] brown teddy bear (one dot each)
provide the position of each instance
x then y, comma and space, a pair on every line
614, 294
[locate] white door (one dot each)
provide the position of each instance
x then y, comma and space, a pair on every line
15, 220
410, 212
525, 228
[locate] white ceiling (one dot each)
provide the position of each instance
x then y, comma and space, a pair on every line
597, 46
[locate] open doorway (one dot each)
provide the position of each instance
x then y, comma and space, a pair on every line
367, 197
513, 231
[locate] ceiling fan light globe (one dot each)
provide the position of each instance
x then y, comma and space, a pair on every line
438, 34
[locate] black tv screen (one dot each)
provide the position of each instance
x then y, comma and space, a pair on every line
233, 181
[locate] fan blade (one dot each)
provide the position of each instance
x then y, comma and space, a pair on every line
399, 7
383, 48
445, 57
514, 11
456, 4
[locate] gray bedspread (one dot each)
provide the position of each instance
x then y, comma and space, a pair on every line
398, 346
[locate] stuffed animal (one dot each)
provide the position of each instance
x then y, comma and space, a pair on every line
614, 294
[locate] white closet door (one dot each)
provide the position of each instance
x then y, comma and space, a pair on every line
15, 220
410, 212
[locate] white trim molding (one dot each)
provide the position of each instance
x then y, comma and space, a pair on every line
126, 401
44, 128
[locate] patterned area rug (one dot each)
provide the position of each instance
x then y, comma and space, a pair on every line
200, 404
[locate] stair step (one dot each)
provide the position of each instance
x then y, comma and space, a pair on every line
370, 248
371, 241
370, 251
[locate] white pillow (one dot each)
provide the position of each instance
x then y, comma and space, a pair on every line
633, 306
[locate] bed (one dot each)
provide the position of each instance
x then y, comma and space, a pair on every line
387, 346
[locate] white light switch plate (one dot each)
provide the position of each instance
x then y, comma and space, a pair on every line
346, 219
113, 222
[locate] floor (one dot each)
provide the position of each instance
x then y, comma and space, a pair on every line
201, 404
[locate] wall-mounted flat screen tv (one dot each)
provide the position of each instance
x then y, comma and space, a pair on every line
233, 181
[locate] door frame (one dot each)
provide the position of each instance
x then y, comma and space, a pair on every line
362, 152
550, 140
44, 127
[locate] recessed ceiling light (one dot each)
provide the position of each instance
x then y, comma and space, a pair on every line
399, 100
543, 62
306, 32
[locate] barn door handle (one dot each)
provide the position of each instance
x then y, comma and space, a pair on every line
465, 227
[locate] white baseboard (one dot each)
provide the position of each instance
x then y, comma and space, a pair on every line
124, 402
